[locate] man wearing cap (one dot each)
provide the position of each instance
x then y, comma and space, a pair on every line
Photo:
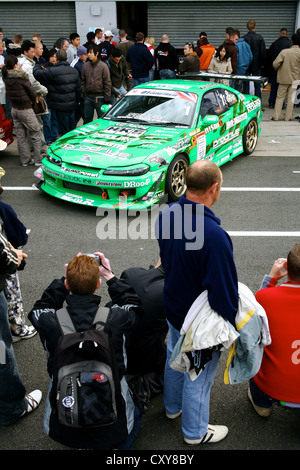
106, 46
80, 59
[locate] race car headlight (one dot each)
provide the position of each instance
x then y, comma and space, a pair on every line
124, 172
53, 158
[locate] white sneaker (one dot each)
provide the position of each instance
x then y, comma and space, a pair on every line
214, 434
33, 400
174, 416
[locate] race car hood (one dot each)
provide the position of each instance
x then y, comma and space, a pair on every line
103, 144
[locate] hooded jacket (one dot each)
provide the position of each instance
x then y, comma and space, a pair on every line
166, 56
63, 85
205, 58
245, 56
19, 89
82, 309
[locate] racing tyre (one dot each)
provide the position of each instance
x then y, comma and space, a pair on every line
250, 137
175, 178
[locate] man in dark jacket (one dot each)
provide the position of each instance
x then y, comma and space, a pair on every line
78, 291
64, 90
283, 42
106, 47
167, 58
95, 84
258, 49
140, 59
191, 62
119, 72
146, 351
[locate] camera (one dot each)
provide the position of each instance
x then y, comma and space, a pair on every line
97, 257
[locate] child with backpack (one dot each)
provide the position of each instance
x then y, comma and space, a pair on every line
89, 404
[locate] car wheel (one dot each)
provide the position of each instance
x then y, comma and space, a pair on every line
250, 137
175, 179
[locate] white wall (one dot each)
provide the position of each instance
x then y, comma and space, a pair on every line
297, 22
95, 15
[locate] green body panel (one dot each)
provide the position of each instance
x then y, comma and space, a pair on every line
75, 167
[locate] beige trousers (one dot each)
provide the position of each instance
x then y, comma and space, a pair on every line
26, 124
282, 91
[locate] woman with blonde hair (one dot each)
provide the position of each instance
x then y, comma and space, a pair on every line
150, 43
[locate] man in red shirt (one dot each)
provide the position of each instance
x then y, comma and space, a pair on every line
278, 379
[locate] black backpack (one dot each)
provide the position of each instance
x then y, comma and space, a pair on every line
86, 389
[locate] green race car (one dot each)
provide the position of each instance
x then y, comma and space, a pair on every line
138, 152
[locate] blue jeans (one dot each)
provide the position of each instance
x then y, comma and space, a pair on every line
138, 81
91, 103
192, 397
265, 401
65, 121
166, 74
12, 390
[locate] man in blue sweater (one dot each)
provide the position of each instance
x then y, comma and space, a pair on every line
197, 255
140, 59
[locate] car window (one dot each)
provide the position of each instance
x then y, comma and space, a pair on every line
156, 107
213, 102
228, 97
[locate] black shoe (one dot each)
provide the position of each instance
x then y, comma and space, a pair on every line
271, 106
297, 117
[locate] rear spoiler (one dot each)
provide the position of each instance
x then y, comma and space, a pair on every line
247, 78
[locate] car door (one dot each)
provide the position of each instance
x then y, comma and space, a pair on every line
209, 124
229, 143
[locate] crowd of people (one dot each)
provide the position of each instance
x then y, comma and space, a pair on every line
108, 67
152, 311
190, 305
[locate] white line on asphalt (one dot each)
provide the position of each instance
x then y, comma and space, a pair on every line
20, 188
262, 234
259, 189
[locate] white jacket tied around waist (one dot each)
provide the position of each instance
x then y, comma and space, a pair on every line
204, 329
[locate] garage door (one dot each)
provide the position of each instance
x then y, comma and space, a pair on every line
183, 21
51, 19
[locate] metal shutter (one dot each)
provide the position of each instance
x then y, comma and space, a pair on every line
183, 21
51, 19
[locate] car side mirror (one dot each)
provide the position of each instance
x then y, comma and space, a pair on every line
105, 108
210, 119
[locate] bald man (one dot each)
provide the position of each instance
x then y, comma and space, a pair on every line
167, 59
197, 256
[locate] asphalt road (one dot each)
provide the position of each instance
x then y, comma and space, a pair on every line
263, 223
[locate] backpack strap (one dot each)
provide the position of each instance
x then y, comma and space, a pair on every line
101, 317
66, 323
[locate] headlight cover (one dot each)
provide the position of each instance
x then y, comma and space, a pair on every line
55, 159
124, 172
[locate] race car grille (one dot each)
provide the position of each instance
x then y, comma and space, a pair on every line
84, 188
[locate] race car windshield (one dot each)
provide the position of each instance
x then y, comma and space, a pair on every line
155, 107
